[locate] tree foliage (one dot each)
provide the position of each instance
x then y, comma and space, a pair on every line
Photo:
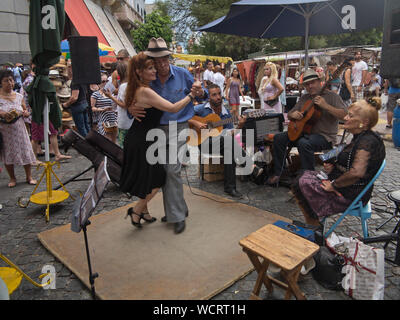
188, 15
157, 24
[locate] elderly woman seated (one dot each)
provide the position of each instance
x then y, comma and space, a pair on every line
354, 167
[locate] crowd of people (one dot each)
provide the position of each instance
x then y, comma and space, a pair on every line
147, 91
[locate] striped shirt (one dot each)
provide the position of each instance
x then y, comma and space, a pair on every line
103, 116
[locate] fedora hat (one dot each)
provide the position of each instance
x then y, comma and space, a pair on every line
157, 48
310, 75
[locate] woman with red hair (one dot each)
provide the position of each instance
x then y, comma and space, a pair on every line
139, 177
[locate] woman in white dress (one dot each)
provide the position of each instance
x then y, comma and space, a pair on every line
16, 147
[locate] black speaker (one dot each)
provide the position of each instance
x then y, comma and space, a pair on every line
85, 60
390, 61
262, 126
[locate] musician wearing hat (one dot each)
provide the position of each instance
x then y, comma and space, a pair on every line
329, 109
173, 84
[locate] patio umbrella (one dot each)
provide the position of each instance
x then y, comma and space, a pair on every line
286, 18
46, 26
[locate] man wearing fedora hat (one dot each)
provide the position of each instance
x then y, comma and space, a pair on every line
173, 84
324, 132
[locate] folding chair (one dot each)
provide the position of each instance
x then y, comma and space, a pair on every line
356, 208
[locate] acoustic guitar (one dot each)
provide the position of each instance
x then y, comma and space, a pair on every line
214, 126
311, 113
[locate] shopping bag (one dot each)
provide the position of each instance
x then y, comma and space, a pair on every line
364, 269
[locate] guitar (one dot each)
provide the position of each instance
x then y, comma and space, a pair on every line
214, 126
311, 113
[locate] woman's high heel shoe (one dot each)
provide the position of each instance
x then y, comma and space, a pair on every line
151, 220
130, 212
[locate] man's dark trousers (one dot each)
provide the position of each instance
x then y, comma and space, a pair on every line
306, 145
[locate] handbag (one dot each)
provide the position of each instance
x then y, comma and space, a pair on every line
328, 269
110, 127
272, 102
14, 116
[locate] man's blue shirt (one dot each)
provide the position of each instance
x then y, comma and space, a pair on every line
177, 87
203, 110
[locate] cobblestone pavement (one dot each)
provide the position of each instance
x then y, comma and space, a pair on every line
19, 228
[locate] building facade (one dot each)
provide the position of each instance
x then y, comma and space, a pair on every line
109, 20
14, 31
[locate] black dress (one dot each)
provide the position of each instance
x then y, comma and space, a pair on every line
138, 177
372, 160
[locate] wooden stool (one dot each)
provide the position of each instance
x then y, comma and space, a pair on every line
286, 250
211, 167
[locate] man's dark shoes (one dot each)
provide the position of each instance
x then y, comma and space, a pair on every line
234, 193
164, 219
179, 226
273, 181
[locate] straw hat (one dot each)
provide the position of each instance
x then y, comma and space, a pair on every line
63, 61
54, 74
64, 92
157, 48
58, 66
57, 83
66, 116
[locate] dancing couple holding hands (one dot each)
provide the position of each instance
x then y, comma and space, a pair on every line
157, 93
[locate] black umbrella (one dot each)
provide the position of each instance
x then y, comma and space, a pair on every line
284, 18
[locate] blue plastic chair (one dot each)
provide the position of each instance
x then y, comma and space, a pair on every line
356, 208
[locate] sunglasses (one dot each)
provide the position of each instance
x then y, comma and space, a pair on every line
120, 58
103, 81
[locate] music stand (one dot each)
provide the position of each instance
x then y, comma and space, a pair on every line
84, 208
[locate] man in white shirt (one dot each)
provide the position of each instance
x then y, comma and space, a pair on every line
359, 73
219, 79
208, 76
376, 82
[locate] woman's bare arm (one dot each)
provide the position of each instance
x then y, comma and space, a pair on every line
149, 97
276, 83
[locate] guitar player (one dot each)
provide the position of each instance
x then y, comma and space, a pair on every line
323, 133
214, 105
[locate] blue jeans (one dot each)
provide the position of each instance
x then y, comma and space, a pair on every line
306, 145
80, 116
